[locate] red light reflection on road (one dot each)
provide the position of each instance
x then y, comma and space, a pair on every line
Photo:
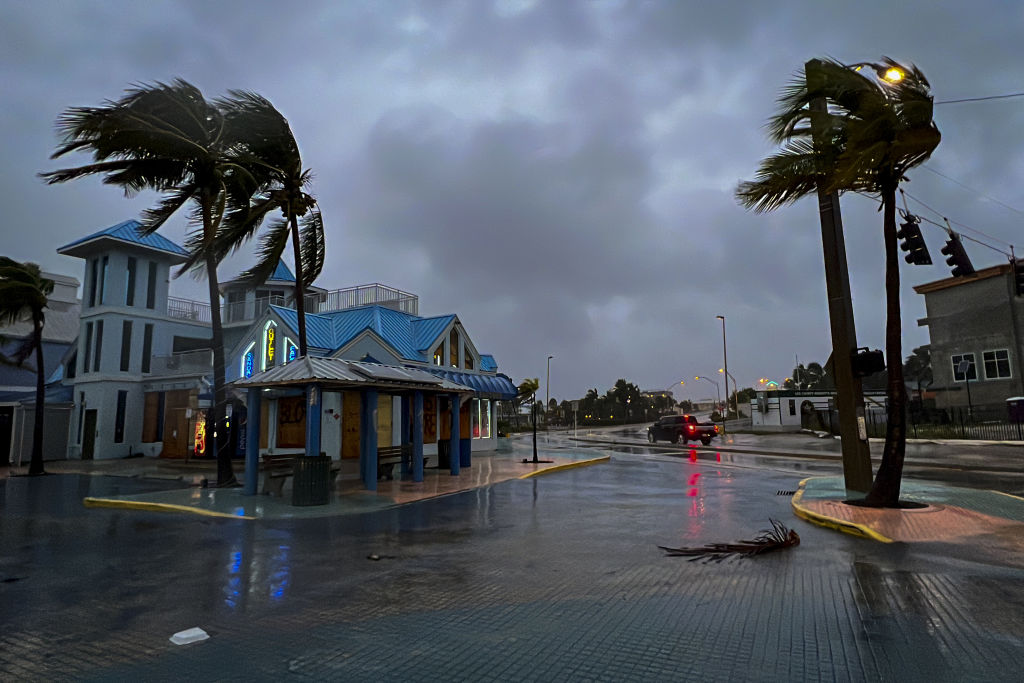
718, 456
694, 491
693, 455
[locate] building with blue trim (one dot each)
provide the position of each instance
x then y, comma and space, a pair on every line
140, 369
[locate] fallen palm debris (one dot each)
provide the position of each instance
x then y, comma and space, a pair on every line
776, 538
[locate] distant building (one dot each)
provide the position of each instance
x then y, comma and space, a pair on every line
18, 384
975, 330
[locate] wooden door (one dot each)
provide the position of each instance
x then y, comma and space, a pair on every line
176, 424
89, 435
350, 412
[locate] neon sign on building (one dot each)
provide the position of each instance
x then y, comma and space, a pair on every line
269, 344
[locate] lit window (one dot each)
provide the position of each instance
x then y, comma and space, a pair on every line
961, 372
439, 354
997, 364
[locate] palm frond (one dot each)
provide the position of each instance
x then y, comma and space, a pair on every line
779, 536
311, 246
272, 244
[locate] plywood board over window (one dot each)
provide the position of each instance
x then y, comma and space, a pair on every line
464, 426
445, 419
350, 411
291, 422
150, 417
384, 411
429, 419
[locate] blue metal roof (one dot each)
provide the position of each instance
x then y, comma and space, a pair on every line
486, 386
128, 231
429, 329
407, 334
282, 272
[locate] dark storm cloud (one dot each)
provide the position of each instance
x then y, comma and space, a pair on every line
560, 174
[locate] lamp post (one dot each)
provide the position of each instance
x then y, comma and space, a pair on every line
547, 393
725, 366
849, 393
717, 392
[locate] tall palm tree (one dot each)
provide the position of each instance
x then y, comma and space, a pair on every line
23, 296
168, 138
871, 134
271, 155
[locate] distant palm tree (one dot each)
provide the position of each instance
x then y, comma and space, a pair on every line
871, 134
23, 296
528, 394
168, 138
271, 155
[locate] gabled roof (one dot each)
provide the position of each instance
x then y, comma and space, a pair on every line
487, 363
340, 373
127, 233
282, 273
427, 330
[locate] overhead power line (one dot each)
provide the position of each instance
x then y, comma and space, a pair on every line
982, 99
971, 189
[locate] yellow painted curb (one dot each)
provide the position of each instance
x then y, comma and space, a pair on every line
155, 507
852, 528
1008, 495
566, 466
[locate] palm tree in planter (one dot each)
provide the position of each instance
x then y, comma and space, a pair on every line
268, 150
528, 394
168, 138
872, 132
23, 296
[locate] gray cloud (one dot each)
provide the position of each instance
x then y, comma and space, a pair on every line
559, 174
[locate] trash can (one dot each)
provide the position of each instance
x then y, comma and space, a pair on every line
1015, 408
444, 454
311, 480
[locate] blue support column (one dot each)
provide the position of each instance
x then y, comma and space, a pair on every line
455, 438
406, 461
368, 440
252, 441
314, 398
417, 436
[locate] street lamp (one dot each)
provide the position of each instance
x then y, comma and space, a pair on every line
547, 392
725, 364
717, 392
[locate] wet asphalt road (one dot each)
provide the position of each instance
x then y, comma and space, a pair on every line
553, 578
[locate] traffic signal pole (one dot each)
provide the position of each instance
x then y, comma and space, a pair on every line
849, 394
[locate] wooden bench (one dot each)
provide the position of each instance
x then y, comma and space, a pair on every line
277, 467
389, 456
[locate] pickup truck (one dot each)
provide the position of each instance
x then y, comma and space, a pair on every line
681, 427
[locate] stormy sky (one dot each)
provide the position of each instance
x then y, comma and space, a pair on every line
559, 174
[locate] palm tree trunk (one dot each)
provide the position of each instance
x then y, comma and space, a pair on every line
36, 463
300, 289
885, 491
225, 473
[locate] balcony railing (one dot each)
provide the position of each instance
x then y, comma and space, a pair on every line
190, 362
336, 300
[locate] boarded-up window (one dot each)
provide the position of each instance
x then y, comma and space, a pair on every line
445, 419
291, 422
429, 419
351, 408
264, 423
150, 417
384, 410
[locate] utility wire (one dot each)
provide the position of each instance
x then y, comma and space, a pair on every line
971, 189
962, 225
982, 99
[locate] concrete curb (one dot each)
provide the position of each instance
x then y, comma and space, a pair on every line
566, 466
852, 528
155, 507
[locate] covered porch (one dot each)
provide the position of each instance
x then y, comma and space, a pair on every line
358, 386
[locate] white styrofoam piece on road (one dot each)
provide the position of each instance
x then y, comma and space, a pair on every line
192, 635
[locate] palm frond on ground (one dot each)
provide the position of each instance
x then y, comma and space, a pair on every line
778, 537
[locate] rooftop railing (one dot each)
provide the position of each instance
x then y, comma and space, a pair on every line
335, 300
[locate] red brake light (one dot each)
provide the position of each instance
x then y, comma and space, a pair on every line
689, 427
716, 429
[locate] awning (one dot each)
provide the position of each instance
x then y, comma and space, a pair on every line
338, 373
497, 386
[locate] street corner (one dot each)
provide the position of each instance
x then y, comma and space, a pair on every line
947, 514
566, 466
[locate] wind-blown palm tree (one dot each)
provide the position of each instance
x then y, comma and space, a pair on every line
528, 393
270, 153
871, 134
168, 138
23, 297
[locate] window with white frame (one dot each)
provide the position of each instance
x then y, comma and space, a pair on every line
480, 413
997, 364
960, 374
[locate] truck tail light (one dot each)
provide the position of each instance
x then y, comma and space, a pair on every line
716, 429
689, 428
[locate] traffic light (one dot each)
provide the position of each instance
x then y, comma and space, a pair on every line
1018, 277
958, 259
913, 242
